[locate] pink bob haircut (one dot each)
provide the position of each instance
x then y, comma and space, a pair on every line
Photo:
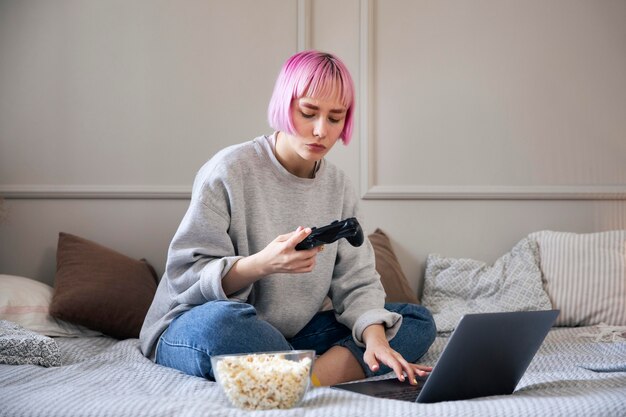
311, 74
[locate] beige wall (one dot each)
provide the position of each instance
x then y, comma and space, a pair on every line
478, 121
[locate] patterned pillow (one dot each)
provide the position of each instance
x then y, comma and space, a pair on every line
454, 287
585, 276
19, 346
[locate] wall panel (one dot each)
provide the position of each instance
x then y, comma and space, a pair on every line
478, 122
495, 99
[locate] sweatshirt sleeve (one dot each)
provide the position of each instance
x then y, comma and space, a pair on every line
201, 254
356, 290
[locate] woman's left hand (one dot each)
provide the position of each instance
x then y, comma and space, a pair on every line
377, 350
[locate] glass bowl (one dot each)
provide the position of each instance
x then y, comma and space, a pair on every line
265, 380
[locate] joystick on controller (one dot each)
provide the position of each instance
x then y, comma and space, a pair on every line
348, 228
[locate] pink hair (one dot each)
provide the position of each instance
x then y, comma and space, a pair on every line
311, 74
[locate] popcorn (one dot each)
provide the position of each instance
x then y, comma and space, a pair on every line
263, 381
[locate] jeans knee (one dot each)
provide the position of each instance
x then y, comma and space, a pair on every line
225, 313
418, 328
426, 321
416, 313
215, 328
235, 328
214, 317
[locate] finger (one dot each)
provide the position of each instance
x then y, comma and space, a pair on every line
302, 261
308, 253
405, 368
298, 236
370, 360
306, 266
394, 364
418, 371
422, 370
397, 369
286, 236
410, 372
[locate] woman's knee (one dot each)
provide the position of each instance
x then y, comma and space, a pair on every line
215, 328
223, 327
221, 317
416, 315
418, 330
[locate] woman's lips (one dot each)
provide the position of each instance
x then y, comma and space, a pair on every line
315, 147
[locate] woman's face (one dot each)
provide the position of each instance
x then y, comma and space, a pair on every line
318, 124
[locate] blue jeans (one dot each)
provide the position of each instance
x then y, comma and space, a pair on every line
227, 327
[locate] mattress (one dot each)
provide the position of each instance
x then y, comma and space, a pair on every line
572, 374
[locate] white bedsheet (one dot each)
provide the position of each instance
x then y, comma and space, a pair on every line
104, 377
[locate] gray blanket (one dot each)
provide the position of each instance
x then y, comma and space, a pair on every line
104, 377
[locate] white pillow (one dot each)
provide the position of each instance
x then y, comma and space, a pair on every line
25, 301
585, 276
454, 287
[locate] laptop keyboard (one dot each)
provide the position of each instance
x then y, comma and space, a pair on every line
402, 395
386, 388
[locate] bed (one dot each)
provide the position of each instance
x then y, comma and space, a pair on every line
580, 370
102, 376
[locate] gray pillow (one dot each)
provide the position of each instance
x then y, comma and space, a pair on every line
19, 346
454, 287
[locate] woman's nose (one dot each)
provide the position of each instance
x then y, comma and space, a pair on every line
319, 129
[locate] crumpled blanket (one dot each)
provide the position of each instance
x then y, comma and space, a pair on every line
19, 346
608, 334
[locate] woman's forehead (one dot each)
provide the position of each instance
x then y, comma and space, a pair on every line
331, 103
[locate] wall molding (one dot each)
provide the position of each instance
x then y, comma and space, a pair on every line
304, 25
370, 190
366, 110
109, 192
421, 192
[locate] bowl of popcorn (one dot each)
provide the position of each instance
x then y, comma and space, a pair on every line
264, 381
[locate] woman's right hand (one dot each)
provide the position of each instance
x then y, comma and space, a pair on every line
281, 256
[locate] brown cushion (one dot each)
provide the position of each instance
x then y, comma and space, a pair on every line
391, 275
100, 288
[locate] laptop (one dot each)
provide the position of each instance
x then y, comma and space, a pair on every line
487, 354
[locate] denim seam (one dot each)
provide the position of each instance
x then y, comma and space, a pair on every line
184, 346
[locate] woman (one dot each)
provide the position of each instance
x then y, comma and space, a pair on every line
234, 282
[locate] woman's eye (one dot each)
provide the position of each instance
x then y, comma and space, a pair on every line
330, 119
306, 115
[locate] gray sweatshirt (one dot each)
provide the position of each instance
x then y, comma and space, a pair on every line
242, 199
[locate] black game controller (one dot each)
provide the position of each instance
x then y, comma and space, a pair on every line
348, 228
